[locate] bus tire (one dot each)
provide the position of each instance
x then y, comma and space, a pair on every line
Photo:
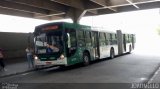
130, 49
86, 59
112, 54
37, 67
63, 67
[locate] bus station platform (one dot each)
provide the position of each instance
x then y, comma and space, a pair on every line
15, 68
18, 67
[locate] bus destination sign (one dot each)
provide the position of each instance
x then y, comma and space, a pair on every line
50, 28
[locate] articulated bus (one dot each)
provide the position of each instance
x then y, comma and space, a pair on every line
65, 44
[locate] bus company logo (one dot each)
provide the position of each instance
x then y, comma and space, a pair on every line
9, 86
145, 86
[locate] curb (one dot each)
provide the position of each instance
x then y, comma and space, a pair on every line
31, 70
157, 72
17, 73
151, 78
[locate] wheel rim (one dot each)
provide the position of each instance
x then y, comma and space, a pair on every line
112, 54
86, 59
130, 49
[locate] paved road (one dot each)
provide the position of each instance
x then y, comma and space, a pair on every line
131, 68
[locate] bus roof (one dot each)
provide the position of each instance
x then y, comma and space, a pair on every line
74, 25
66, 24
59, 23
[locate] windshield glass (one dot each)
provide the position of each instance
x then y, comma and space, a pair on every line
49, 42
41, 40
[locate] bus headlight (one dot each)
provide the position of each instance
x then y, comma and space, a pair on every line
36, 58
62, 57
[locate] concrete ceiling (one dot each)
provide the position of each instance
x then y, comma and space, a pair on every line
74, 9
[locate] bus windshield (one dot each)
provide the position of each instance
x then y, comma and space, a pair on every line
49, 42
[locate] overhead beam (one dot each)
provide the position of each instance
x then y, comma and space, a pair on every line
125, 2
141, 7
13, 12
20, 7
50, 17
127, 8
45, 4
104, 4
38, 16
47, 9
91, 5
119, 3
150, 5
78, 4
143, 1
56, 17
72, 3
7, 11
130, 1
93, 11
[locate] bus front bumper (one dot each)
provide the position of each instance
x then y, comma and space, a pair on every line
55, 62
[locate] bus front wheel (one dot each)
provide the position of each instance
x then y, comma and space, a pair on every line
112, 54
130, 49
86, 59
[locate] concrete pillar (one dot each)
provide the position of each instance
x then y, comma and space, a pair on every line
120, 42
76, 14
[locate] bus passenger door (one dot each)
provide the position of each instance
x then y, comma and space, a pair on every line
133, 41
124, 42
95, 45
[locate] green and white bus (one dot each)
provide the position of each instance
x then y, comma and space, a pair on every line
73, 43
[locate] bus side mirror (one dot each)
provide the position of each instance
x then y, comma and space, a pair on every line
69, 40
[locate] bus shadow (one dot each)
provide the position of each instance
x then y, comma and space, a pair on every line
55, 69
108, 59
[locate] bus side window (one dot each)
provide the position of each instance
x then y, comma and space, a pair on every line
80, 36
126, 36
116, 42
134, 38
94, 39
130, 38
88, 38
110, 39
107, 38
114, 39
102, 39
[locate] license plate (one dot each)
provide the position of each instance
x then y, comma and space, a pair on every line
48, 63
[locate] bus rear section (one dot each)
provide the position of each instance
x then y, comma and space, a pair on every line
108, 46
128, 43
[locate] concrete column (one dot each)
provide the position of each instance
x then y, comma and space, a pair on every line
76, 14
120, 42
